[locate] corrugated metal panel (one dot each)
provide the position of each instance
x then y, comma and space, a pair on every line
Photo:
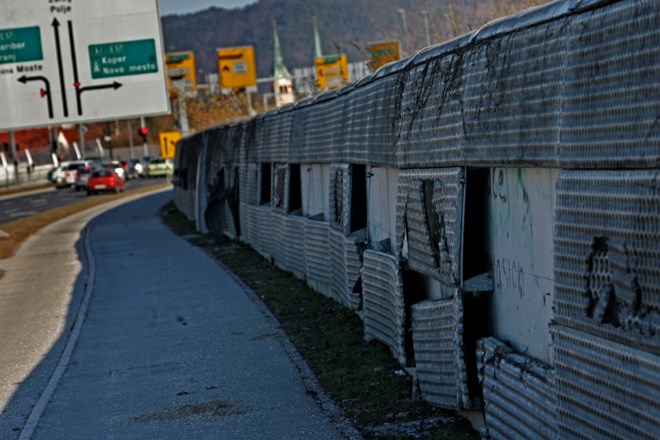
344, 268
266, 239
431, 125
294, 244
278, 233
609, 116
607, 255
605, 389
249, 232
513, 96
434, 252
317, 252
249, 182
518, 393
384, 312
437, 330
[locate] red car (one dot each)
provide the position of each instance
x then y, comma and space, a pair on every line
104, 180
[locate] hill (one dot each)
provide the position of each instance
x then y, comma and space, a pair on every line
344, 25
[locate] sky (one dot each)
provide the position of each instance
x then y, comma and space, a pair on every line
168, 7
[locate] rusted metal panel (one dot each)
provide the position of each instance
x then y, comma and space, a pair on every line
518, 393
607, 255
605, 389
384, 310
429, 221
437, 331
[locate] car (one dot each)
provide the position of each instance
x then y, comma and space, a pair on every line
158, 167
70, 173
129, 170
56, 175
83, 175
116, 166
104, 179
136, 166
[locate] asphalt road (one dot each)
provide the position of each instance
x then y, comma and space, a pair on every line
113, 327
18, 206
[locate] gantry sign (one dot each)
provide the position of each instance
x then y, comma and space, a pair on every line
70, 61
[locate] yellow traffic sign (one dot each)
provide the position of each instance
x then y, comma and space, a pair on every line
384, 52
180, 66
236, 67
332, 71
168, 140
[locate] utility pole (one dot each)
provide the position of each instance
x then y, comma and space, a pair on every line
426, 27
404, 25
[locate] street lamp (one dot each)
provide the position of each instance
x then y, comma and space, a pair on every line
426, 27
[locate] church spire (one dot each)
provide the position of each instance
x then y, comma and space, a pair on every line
317, 41
279, 69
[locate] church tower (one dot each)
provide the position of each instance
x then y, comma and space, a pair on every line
282, 83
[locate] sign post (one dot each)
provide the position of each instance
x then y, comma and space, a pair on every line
63, 62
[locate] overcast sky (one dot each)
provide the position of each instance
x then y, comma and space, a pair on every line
168, 7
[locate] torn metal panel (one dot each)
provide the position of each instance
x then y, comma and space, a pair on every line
518, 393
437, 331
605, 389
429, 221
384, 312
280, 187
340, 190
607, 255
609, 117
345, 265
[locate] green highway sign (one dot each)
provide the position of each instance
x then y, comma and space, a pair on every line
123, 58
20, 45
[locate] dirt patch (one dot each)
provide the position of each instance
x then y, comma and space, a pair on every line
214, 408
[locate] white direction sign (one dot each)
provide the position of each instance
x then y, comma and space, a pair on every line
69, 61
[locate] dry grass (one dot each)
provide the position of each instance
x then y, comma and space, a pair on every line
21, 229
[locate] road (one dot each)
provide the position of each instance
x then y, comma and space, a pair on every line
19, 206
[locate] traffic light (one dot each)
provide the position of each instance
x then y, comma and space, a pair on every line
143, 132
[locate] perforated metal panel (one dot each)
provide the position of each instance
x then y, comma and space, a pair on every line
605, 389
430, 217
607, 255
518, 393
437, 330
384, 310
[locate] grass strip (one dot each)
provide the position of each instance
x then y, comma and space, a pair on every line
362, 378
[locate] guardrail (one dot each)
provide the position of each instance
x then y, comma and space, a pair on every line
490, 208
